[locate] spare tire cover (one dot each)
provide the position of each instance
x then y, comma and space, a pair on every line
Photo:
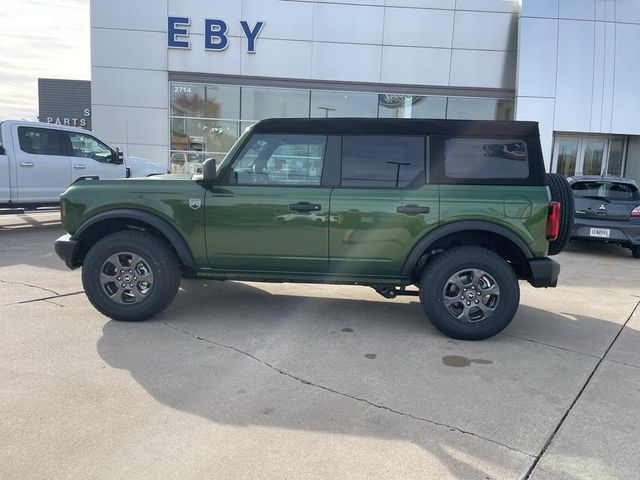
561, 193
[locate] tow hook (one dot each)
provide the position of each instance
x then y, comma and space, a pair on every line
390, 291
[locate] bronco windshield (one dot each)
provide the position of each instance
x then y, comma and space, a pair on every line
236, 146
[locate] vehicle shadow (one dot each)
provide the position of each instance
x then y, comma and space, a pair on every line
234, 354
598, 248
24, 246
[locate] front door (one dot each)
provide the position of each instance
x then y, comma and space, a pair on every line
270, 213
42, 169
89, 156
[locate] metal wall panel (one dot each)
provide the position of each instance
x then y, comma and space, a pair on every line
65, 102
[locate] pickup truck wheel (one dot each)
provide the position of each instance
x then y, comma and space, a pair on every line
469, 293
561, 192
130, 275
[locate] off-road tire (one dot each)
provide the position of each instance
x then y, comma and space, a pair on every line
561, 192
162, 262
437, 275
635, 251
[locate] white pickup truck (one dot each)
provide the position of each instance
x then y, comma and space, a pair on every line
39, 161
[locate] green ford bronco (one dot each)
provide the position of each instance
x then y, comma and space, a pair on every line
454, 211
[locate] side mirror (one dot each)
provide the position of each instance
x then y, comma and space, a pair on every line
209, 173
119, 156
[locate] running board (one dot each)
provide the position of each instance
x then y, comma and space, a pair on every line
391, 291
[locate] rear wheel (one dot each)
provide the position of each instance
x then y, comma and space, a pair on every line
561, 193
635, 251
130, 275
469, 293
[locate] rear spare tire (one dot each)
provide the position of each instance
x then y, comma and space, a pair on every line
561, 193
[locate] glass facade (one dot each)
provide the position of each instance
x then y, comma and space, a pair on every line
589, 155
206, 120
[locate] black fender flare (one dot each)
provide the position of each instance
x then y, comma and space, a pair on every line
165, 228
454, 227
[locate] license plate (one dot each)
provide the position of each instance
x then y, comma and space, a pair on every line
600, 232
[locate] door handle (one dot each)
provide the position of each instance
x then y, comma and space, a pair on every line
412, 209
26, 164
79, 166
305, 207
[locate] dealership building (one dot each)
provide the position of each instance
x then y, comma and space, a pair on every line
178, 81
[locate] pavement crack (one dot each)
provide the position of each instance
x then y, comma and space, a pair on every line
557, 347
62, 295
54, 303
342, 394
29, 285
538, 457
618, 362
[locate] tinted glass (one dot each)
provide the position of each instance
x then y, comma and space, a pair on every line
473, 158
273, 159
343, 104
567, 157
411, 106
261, 103
39, 141
616, 154
383, 161
187, 100
609, 190
479, 109
592, 156
222, 102
203, 135
85, 146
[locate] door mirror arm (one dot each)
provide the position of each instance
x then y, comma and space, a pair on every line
209, 173
118, 157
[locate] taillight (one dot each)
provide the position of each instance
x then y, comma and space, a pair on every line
63, 209
553, 221
636, 212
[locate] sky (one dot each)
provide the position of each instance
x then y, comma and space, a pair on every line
40, 39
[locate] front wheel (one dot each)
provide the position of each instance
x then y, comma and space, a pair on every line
635, 251
469, 293
130, 275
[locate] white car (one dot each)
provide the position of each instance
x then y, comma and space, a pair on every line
38, 161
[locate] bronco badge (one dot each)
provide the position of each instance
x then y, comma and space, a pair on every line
195, 203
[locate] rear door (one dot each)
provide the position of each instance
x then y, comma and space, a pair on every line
90, 156
43, 169
271, 212
383, 205
495, 179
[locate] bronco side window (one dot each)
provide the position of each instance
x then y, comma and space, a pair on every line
277, 159
480, 158
383, 161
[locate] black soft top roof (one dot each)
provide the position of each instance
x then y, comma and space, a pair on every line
412, 126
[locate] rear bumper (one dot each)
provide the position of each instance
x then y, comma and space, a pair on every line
67, 248
544, 272
625, 232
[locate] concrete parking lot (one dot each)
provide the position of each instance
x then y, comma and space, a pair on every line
247, 380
